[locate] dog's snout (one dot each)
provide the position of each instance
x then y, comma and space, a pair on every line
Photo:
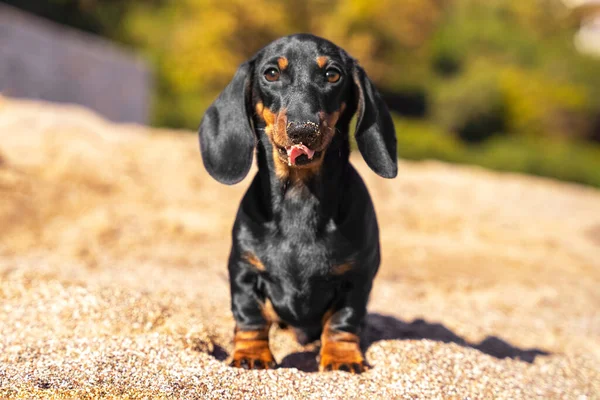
302, 132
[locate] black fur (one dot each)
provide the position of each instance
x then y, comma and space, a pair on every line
301, 230
226, 138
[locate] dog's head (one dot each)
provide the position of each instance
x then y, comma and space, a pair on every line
298, 87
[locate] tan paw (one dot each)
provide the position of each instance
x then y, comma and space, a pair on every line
246, 361
252, 351
342, 356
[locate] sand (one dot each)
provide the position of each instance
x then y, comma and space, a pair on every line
113, 281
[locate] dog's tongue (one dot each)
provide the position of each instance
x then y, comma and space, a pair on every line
297, 150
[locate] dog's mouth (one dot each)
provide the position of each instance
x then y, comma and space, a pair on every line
297, 154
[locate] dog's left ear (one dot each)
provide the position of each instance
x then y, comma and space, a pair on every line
227, 140
375, 133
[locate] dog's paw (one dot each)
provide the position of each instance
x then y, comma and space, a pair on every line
354, 368
251, 350
342, 356
253, 354
252, 362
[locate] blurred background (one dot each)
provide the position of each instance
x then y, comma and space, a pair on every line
506, 84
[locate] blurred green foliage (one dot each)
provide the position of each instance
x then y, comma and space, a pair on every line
196, 45
498, 83
570, 160
102, 17
521, 54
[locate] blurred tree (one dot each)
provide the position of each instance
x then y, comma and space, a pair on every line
497, 82
512, 67
198, 44
474, 68
472, 104
101, 17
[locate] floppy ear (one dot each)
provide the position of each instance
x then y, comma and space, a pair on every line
226, 137
375, 133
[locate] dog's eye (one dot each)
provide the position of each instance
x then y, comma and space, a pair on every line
332, 75
272, 74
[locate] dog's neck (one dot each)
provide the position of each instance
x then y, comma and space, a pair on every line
311, 195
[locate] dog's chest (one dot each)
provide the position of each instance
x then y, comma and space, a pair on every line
300, 214
304, 241
299, 252
300, 282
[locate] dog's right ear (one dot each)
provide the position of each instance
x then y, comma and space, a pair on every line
227, 140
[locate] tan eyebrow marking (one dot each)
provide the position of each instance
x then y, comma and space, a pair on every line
322, 60
282, 62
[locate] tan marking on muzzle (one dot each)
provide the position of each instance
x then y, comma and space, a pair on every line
276, 130
328, 122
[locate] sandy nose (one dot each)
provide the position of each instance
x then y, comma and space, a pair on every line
302, 132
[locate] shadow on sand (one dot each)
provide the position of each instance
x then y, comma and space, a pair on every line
384, 327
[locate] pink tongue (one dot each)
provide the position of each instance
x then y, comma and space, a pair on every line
297, 150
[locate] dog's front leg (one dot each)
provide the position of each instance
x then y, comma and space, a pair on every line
340, 341
251, 340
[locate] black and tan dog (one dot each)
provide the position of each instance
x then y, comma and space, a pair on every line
305, 240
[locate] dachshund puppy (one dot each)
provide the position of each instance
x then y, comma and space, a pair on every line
305, 243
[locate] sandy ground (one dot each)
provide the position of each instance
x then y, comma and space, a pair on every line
113, 243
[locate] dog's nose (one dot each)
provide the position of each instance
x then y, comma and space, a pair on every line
302, 132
